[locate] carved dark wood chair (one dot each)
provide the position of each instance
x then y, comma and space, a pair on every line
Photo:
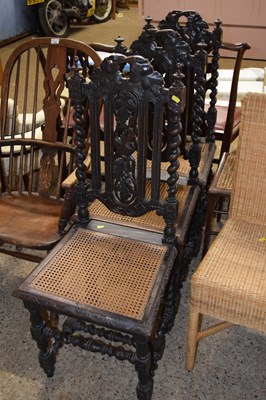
189, 218
193, 29
194, 164
222, 121
166, 49
114, 285
34, 210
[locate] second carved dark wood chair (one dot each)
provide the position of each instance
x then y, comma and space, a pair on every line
114, 286
166, 50
193, 29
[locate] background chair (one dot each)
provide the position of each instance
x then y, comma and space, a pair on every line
34, 211
222, 117
225, 118
227, 124
115, 284
229, 284
226, 130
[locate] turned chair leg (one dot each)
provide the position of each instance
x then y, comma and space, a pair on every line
195, 319
144, 368
47, 356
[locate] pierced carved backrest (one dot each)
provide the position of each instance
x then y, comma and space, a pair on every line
190, 26
130, 187
167, 50
194, 30
35, 130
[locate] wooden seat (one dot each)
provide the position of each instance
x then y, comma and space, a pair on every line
34, 210
114, 287
229, 284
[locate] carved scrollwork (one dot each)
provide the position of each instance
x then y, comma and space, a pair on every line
194, 30
125, 110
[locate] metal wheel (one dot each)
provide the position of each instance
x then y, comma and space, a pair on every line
53, 20
103, 10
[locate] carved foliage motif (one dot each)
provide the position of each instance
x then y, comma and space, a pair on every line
193, 31
126, 110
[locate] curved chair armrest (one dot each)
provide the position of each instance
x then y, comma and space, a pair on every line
106, 48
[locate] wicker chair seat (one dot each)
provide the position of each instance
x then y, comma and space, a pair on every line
187, 197
224, 179
123, 281
234, 272
207, 154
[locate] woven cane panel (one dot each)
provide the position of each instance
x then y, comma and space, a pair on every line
150, 220
225, 179
248, 197
230, 283
110, 273
184, 167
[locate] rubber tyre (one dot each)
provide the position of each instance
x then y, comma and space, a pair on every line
52, 19
103, 12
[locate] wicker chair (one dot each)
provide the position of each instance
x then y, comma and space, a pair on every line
230, 283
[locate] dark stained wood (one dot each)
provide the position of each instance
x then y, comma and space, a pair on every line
88, 249
167, 50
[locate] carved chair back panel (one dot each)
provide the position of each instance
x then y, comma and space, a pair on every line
133, 107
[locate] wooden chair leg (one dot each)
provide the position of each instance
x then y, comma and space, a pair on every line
47, 354
194, 325
144, 368
208, 225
